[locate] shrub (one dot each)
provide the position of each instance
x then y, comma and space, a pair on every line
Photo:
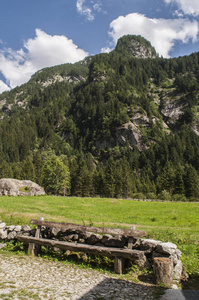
179, 197
165, 195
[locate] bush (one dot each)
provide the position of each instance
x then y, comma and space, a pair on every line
165, 195
139, 196
151, 196
179, 197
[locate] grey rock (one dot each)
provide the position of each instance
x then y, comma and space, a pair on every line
174, 258
81, 241
3, 234
25, 228
56, 249
85, 235
12, 235
166, 248
178, 253
94, 239
114, 242
178, 270
55, 231
71, 237
3, 245
24, 233
15, 187
10, 228
105, 238
2, 225
149, 245
18, 228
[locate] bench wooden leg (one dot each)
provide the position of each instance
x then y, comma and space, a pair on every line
119, 265
33, 249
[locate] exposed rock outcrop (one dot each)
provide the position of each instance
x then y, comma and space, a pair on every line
14, 187
137, 46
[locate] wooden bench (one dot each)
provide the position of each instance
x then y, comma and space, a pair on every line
119, 254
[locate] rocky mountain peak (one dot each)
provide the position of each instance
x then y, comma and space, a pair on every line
138, 46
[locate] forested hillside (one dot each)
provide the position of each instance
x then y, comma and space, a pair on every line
120, 124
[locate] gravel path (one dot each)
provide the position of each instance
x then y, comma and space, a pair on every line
35, 278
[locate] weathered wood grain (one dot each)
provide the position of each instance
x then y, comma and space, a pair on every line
97, 250
163, 271
100, 230
119, 265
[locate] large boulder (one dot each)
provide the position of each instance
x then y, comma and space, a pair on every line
14, 187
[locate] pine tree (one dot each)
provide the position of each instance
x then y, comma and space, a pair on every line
110, 177
179, 182
191, 182
5, 170
28, 169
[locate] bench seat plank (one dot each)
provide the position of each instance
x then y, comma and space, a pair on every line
100, 230
97, 250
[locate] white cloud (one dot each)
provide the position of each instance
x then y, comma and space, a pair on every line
43, 51
162, 33
189, 7
3, 87
89, 10
106, 50
84, 10
97, 7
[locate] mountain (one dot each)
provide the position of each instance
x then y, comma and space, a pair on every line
126, 122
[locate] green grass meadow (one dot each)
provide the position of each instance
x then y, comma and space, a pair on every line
166, 221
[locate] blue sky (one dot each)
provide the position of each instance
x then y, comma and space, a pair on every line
41, 33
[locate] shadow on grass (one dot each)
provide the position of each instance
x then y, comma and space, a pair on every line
191, 283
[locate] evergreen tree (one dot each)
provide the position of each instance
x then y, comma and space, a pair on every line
179, 182
28, 170
191, 182
5, 170
110, 177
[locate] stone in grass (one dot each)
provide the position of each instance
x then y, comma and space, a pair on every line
3, 245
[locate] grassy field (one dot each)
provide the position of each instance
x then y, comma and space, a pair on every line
165, 221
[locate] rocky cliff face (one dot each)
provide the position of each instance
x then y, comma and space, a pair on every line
139, 50
137, 46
